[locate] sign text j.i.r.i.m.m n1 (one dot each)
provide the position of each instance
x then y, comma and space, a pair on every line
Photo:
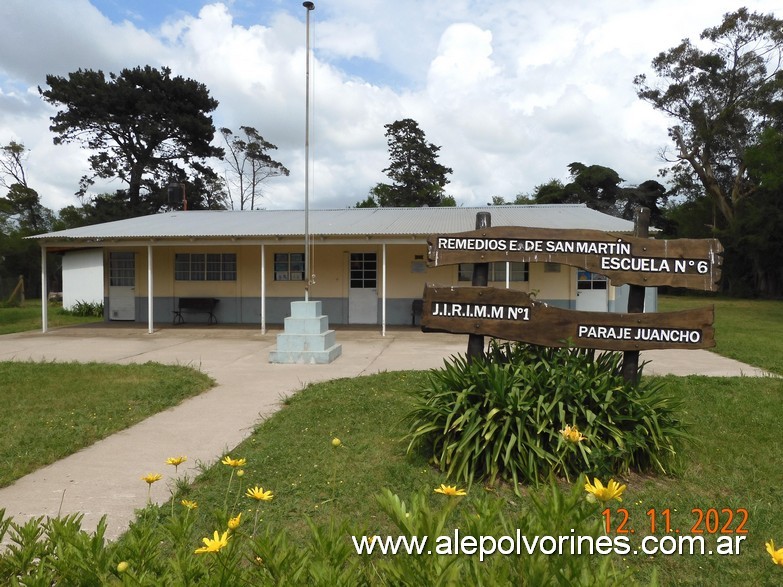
489, 311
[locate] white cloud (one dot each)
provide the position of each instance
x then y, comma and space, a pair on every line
361, 42
512, 93
463, 60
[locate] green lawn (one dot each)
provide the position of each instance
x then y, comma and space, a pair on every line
51, 410
28, 317
745, 330
732, 464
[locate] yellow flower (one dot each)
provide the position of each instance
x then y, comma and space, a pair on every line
450, 490
227, 460
191, 505
122, 567
777, 555
613, 490
176, 461
572, 434
233, 523
150, 478
259, 494
336, 442
241, 473
214, 545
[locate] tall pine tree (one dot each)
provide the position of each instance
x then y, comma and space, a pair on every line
418, 179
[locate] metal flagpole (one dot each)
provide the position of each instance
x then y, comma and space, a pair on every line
310, 7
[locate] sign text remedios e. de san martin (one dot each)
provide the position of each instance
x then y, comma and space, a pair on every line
614, 255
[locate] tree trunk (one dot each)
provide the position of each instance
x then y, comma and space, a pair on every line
134, 187
707, 178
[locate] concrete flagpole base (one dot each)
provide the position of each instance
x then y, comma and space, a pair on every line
306, 338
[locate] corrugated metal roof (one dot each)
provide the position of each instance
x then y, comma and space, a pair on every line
346, 222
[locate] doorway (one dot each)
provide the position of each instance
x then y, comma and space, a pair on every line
592, 292
122, 286
363, 288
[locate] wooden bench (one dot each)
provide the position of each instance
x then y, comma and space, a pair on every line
203, 305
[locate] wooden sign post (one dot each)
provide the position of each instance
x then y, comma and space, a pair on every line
636, 293
480, 278
513, 315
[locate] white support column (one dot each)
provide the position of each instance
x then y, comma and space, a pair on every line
263, 290
44, 293
383, 293
150, 328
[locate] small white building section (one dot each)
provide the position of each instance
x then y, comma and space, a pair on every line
82, 277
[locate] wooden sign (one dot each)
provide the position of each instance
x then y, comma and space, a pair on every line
690, 263
512, 315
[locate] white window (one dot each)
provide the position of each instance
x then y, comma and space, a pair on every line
289, 267
205, 267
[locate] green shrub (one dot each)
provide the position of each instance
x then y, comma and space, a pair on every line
502, 417
85, 309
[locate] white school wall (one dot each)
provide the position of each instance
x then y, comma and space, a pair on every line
82, 277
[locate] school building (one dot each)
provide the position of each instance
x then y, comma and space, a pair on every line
369, 264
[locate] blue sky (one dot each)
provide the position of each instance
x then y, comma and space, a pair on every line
144, 13
511, 92
152, 13
149, 14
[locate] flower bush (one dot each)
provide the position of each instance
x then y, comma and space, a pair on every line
523, 413
163, 548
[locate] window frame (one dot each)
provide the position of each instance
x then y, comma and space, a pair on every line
497, 271
286, 265
363, 270
205, 266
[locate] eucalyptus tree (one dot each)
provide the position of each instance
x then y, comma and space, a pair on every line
249, 164
721, 94
725, 97
21, 214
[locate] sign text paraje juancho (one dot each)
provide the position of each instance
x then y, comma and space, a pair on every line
691, 263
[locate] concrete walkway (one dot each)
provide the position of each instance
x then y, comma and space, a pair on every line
105, 478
